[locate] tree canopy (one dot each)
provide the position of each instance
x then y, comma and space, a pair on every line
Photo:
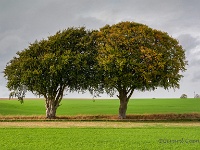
122, 58
50, 66
136, 57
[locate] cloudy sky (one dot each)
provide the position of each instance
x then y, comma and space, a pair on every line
24, 21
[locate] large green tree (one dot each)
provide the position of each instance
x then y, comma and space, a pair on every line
132, 56
51, 66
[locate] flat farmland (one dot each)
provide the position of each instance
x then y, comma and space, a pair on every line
85, 138
101, 107
99, 135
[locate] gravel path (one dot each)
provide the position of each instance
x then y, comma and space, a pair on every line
84, 124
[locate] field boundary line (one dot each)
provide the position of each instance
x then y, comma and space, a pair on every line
77, 124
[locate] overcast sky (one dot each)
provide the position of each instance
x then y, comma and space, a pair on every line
24, 21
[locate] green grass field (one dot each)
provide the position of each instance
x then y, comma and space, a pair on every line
145, 138
102, 107
100, 138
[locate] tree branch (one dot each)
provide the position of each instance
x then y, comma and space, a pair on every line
59, 95
131, 92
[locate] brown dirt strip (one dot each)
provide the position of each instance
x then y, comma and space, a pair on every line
94, 124
134, 117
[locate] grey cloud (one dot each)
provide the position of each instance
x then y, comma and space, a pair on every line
188, 42
24, 21
191, 44
196, 76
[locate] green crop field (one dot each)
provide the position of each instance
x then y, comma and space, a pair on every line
87, 137
144, 138
89, 107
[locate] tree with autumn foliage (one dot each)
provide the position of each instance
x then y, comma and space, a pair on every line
51, 66
121, 58
133, 56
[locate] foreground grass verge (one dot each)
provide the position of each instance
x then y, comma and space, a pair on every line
141, 138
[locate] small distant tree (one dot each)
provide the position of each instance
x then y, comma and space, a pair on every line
197, 96
183, 96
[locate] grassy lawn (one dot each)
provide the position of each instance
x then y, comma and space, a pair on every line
140, 138
88, 107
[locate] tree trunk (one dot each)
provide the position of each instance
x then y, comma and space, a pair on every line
124, 96
51, 110
123, 103
123, 108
